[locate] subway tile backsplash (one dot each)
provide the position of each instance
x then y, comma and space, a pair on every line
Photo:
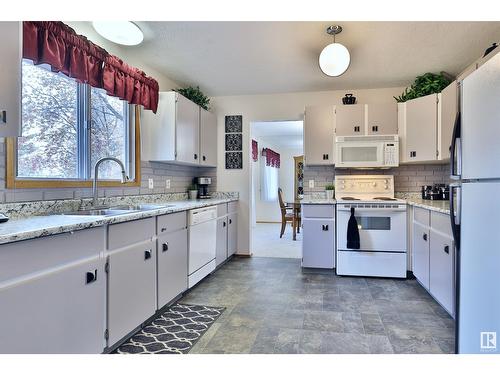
407, 178
180, 176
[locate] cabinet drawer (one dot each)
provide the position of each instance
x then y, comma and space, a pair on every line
25, 257
318, 210
441, 223
421, 215
171, 222
232, 207
221, 209
124, 234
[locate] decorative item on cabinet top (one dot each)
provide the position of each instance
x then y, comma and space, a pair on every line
349, 99
425, 84
196, 96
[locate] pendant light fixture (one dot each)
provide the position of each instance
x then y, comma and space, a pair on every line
335, 58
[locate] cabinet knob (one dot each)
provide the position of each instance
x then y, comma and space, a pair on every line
324, 227
230, 221
163, 229
3, 116
425, 236
446, 249
147, 254
223, 223
164, 247
204, 158
195, 156
90, 277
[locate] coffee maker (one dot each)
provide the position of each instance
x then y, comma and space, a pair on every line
203, 183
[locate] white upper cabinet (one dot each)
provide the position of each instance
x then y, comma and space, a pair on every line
208, 138
350, 119
187, 130
180, 132
10, 79
319, 135
425, 126
382, 118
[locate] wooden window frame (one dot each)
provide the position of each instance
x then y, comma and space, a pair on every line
12, 182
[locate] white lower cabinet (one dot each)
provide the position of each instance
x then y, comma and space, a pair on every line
442, 270
172, 266
318, 241
434, 256
221, 241
61, 311
421, 254
131, 277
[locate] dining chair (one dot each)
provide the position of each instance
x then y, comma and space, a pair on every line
285, 215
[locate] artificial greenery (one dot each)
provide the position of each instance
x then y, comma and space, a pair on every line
329, 187
426, 84
192, 187
195, 95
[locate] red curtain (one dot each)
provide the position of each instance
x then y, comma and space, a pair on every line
272, 158
56, 44
255, 150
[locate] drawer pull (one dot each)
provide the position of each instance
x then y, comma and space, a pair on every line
147, 254
447, 249
324, 227
91, 277
164, 247
163, 229
425, 236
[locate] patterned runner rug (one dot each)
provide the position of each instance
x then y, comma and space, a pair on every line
173, 332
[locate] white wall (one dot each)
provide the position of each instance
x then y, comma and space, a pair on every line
273, 107
270, 211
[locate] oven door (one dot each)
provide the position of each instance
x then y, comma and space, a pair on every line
380, 230
360, 154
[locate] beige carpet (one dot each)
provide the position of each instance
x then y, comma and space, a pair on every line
266, 242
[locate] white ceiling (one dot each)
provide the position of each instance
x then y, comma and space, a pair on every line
233, 58
283, 134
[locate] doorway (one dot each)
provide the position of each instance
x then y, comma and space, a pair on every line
277, 169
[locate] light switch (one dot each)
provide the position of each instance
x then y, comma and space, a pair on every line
311, 184
150, 183
167, 184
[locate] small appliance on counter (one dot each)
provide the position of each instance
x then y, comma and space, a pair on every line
203, 184
436, 192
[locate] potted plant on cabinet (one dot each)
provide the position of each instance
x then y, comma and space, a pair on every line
330, 191
193, 191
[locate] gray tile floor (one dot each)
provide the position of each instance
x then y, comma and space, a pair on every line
272, 306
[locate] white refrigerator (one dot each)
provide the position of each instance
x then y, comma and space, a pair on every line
475, 210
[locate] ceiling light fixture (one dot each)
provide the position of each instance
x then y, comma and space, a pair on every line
335, 58
121, 32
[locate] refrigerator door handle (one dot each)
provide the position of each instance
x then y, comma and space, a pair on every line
455, 149
455, 218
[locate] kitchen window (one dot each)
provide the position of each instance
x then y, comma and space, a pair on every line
67, 127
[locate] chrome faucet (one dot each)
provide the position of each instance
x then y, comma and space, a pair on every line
96, 176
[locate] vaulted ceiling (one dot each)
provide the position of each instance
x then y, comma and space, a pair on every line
233, 58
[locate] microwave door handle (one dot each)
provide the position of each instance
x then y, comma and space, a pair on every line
455, 149
455, 219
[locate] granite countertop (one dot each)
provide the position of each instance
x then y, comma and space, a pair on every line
40, 226
438, 206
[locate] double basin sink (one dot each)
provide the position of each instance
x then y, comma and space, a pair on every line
117, 210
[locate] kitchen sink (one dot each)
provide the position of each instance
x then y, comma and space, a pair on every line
141, 207
99, 212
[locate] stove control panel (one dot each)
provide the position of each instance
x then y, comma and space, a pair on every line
365, 186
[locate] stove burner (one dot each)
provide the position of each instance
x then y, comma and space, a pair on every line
350, 199
384, 199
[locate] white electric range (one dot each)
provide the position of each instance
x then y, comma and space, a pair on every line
381, 221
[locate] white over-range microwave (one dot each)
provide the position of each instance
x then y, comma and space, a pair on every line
367, 151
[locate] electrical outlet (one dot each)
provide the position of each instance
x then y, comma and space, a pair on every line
150, 183
167, 184
311, 184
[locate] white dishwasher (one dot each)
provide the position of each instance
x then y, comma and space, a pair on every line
202, 242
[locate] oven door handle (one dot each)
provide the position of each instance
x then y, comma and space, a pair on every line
373, 210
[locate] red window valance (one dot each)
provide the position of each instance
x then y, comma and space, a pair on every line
272, 158
58, 45
255, 150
